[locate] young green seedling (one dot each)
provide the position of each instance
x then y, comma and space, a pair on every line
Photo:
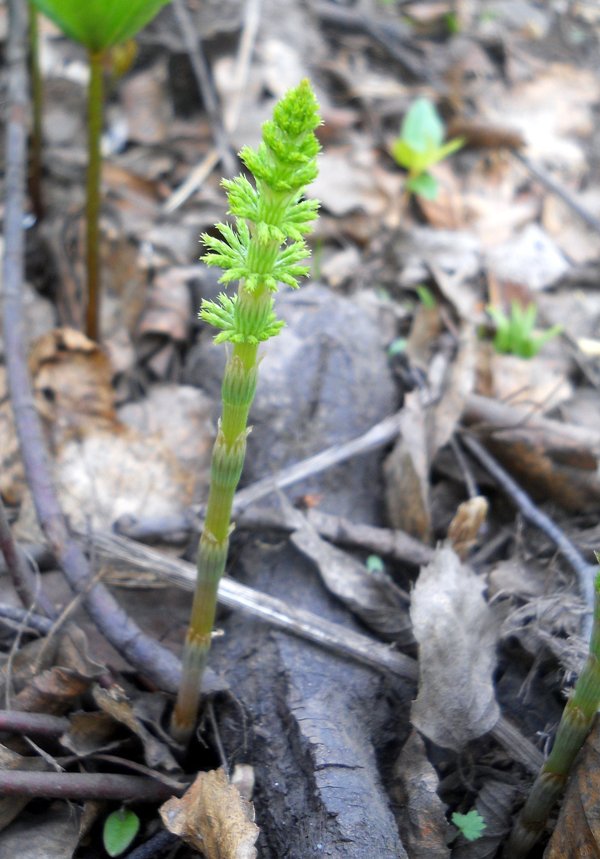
421, 145
470, 825
98, 25
263, 248
516, 334
576, 722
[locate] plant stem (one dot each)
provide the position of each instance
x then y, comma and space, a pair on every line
239, 385
575, 724
94, 175
35, 175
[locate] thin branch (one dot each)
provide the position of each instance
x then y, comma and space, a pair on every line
27, 586
81, 786
24, 618
155, 845
34, 724
585, 572
193, 46
140, 650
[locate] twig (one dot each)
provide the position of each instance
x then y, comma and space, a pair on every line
591, 220
234, 595
80, 786
193, 46
242, 63
192, 183
21, 616
29, 591
140, 650
378, 436
302, 623
36, 724
155, 845
585, 572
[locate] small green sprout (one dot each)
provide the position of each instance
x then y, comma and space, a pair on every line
426, 297
421, 145
374, 564
120, 828
470, 825
516, 334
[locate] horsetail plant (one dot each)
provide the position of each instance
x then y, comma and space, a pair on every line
263, 248
98, 25
575, 724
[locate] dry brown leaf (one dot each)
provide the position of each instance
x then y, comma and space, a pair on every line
577, 832
146, 105
530, 258
406, 472
213, 818
115, 702
465, 526
371, 596
457, 638
541, 382
40, 836
423, 825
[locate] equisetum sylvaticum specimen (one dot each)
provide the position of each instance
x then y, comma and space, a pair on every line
575, 724
98, 25
265, 247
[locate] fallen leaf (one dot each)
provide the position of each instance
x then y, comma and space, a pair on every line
530, 258
494, 803
423, 824
40, 836
457, 635
370, 595
115, 702
406, 472
466, 524
213, 818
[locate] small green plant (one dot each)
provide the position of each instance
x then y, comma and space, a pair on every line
374, 564
120, 829
470, 825
516, 334
421, 145
265, 247
98, 25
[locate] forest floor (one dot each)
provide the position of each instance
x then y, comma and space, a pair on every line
404, 614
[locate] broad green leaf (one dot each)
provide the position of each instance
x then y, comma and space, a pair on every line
100, 24
471, 825
422, 128
424, 185
120, 828
404, 154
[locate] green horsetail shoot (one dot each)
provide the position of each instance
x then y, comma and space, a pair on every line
262, 249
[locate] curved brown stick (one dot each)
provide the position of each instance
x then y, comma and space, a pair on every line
157, 663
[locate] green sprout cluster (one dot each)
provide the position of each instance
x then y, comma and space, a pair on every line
516, 334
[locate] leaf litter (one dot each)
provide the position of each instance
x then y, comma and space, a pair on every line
127, 436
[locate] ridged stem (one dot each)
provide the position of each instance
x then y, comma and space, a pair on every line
35, 174
575, 724
239, 386
94, 172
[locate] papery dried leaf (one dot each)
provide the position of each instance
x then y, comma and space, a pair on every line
457, 637
371, 595
423, 824
41, 836
90, 733
406, 472
465, 526
115, 702
213, 818
11, 806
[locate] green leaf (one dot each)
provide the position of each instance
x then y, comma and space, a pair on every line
120, 828
422, 128
449, 148
374, 564
403, 154
424, 184
100, 24
471, 825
